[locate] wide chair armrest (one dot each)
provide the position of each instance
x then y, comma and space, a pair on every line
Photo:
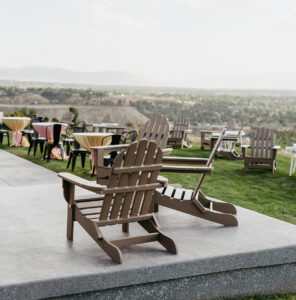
277, 147
184, 160
187, 169
245, 146
111, 147
83, 183
244, 150
163, 180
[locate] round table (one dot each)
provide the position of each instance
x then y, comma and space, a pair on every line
16, 124
45, 129
92, 139
293, 158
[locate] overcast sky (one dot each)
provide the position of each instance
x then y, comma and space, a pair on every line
174, 41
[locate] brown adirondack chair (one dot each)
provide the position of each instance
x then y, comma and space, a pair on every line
178, 138
156, 129
126, 198
194, 202
263, 151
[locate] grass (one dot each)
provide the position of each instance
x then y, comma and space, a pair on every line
258, 190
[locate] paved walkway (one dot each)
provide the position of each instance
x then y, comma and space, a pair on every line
37, 261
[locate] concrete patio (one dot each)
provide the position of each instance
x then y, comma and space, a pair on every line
37, 261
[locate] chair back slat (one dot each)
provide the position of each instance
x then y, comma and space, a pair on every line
130, 186
67, 117
56, 133
123, 181
133, 180
156, 129
262, 143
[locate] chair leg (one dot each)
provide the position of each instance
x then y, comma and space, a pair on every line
1, 138
83, 156
8, 142
70, 223
49, 149
35, 147
163, 239
74, 161
69, 161
30, 147
125, 227
62, 151
41, 143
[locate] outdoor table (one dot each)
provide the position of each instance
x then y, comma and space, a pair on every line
204, 141
16, 124
107, 127
45, 129
293, 158
92, 139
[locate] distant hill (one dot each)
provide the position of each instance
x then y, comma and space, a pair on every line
44, 74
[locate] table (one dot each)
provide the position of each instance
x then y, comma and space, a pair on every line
293, 158
92, 139
16, 124
107, 127
45, 129
204, 141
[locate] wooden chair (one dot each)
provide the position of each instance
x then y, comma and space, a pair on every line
230, 139
67, 118
126, 198
263, 151
156, 129
178, 138
194, 202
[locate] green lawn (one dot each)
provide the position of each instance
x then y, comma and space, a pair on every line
258, 190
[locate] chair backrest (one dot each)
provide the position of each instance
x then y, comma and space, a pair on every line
132, 135
156, 129
179, 126
209, 161
262, 143
132, 182
77, 129
67, 117
56, 133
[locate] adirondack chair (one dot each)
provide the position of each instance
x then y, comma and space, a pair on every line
263, 151
126, 198
194, 202
156, 129
178, 138
230, 139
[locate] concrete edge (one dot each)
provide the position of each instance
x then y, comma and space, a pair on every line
163, 272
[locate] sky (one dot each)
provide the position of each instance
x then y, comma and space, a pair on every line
197, 43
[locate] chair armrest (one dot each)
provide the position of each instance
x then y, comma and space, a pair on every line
111, 147
83, 183
245, 146
184, 160
162, 180
277, 147
187, 169
167, 150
